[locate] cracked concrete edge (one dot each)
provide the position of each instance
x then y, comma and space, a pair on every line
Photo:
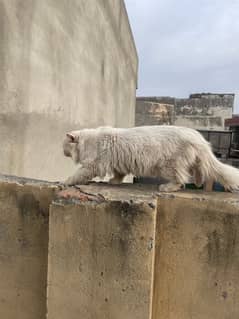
129, 193
202, 196
94, 193
25, 180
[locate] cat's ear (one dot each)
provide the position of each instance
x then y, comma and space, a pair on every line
72, 137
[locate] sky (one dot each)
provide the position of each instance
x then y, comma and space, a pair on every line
186, 46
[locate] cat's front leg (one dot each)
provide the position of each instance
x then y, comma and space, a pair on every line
117, 178
82, 176
72, 180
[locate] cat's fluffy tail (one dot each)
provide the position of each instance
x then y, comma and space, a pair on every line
212, 168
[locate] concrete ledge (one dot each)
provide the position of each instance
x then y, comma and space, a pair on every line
101, 255
116, 252
24, 216
197, 256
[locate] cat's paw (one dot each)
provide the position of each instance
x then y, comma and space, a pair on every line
170, 187
115, 181
60, 184
70, 181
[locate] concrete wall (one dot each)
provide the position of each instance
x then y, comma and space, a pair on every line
101, 257
113, 252
64, 64
197, 257
24, 213
199, 111
153, 113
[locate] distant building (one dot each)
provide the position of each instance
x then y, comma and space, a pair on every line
236, 104
199, 111
233, 125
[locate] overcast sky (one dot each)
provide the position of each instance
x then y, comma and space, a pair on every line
186, 46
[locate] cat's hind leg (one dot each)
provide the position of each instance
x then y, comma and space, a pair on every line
198, 178
176, 179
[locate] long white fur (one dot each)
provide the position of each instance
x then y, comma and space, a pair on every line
171, 152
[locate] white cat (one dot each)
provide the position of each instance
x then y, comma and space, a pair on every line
173, 153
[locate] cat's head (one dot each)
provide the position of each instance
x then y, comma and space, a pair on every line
70, 144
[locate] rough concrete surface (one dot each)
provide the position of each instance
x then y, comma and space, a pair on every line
64, 65
197, 257
199, 111
153, 113
24, 207
101, 256
113, 252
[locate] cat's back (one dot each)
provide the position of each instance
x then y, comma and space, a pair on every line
162, 135
158, 130
153, 133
